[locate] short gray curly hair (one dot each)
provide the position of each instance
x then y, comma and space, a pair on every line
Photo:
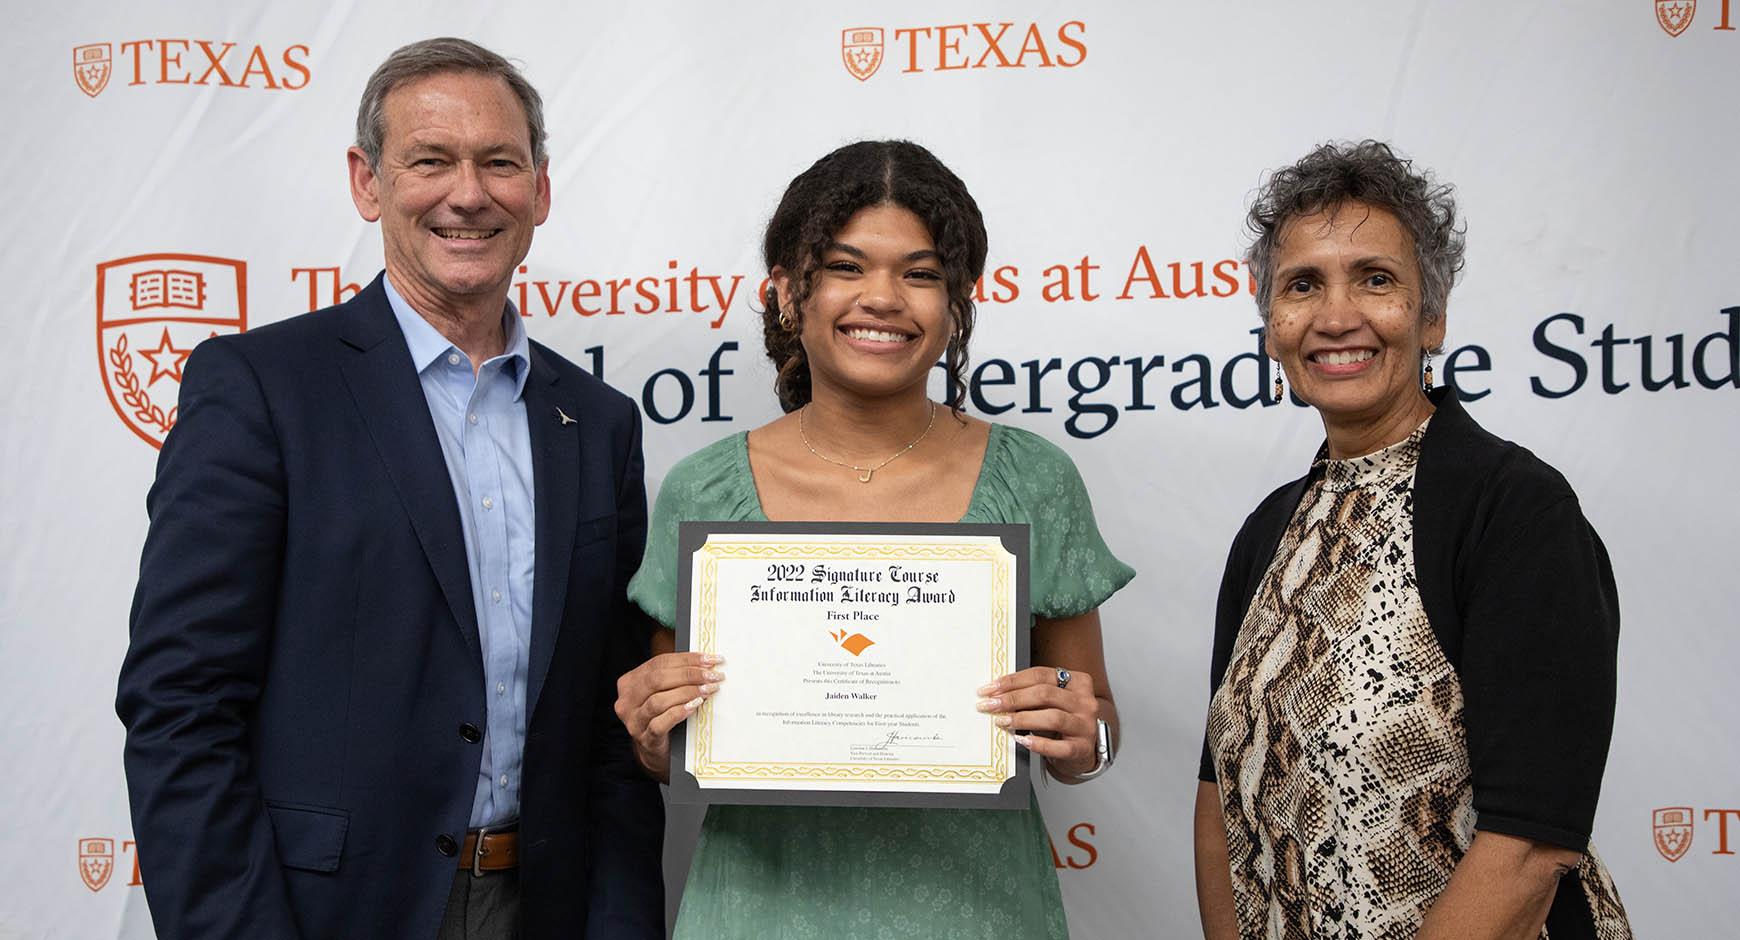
431, 57
1371, 173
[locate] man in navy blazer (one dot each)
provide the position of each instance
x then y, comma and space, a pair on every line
381, 607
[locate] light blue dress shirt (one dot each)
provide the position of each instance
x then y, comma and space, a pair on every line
481, 422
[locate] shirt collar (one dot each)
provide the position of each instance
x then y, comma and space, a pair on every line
427, 344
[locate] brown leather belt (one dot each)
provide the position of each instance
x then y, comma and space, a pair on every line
489, 850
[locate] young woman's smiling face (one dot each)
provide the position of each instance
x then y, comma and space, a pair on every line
1345, 320
877, 316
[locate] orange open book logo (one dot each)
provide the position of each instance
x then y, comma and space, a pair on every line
96, 862
151, 311
855, 643
861, 49
1673, 831
92, 65
168, 288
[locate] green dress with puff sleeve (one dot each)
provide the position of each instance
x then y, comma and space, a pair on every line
790, 872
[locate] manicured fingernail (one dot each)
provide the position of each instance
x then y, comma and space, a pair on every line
714, 675
1023, 740
988, 704
709, 689
694, 703
988, 688
1003, 721
712, 659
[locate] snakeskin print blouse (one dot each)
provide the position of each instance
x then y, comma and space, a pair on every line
1337, 733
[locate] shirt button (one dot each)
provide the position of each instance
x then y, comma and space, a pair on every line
503, 780
488, 503
501, 688
452, 360
495, 596
471, 418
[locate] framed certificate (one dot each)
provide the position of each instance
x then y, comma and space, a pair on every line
853, 652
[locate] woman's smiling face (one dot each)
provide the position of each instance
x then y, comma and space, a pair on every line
1344, 318
877, 316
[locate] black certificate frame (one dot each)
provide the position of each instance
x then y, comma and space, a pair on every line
1014, 793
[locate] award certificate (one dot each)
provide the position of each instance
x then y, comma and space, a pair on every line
853, 652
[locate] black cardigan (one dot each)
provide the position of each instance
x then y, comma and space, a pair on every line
1519, 593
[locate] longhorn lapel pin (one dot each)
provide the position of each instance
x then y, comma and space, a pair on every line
564, 416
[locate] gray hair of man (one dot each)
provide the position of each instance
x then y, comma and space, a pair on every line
432, 57
1371, 173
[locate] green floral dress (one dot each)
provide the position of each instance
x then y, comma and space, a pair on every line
790, 872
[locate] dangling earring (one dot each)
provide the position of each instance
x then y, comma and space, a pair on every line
1279, 388
1428, 380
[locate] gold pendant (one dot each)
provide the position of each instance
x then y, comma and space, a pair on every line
864, 476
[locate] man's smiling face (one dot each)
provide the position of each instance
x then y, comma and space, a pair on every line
457, 192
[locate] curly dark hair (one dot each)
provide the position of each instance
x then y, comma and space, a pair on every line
1368, 172
821, 200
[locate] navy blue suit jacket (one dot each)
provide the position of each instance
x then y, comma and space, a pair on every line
305, 650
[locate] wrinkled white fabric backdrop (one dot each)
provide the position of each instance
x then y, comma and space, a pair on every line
1594, 154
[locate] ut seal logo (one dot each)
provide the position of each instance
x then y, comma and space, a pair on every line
1675, 16
861, 49
96, 862
92, 66
1673, 832
151, 311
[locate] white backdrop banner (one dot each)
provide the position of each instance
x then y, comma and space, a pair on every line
175, 171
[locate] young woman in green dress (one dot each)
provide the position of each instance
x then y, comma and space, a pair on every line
873, 255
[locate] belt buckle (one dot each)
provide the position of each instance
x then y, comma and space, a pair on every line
478, 852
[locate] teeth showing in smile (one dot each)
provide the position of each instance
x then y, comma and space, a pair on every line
877, 336
1343, 358
466, 234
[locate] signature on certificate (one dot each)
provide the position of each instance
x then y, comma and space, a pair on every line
896, 739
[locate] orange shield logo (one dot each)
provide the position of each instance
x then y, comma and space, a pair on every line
861, 48
96, 862
91, 67
1675, 16
1673, 832
151, 311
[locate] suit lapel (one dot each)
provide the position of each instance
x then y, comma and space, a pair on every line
556, 487
384, 385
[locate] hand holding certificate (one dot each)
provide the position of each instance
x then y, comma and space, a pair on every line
856, 650
859, 645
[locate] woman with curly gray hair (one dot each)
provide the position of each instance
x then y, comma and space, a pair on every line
1415, 642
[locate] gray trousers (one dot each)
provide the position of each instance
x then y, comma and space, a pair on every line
485, 907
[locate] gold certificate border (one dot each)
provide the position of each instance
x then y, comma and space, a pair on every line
706, 623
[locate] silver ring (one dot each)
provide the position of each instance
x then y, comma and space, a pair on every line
1063, 678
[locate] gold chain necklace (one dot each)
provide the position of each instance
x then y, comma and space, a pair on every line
864, 473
